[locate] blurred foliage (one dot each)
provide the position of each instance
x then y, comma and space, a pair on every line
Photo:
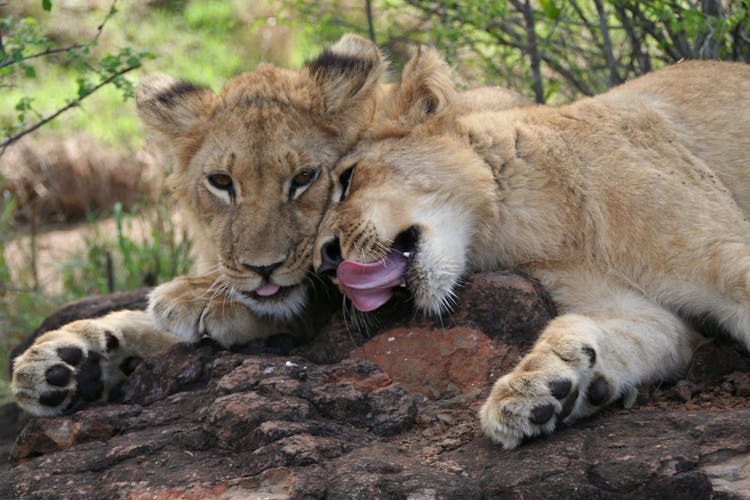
555, 50
22, 45
124, 262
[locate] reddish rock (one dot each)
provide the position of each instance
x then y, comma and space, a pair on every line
433, 362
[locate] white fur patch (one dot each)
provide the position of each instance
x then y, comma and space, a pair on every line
442, 256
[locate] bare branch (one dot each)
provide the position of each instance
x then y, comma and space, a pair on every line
614, 76
654, 31
637, 54
370, 23
43, 53
532, 47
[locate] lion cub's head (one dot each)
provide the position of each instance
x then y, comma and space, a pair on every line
252, 164
409, 200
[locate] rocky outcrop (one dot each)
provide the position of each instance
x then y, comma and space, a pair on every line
392, 414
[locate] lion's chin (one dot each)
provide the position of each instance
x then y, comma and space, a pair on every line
285, 304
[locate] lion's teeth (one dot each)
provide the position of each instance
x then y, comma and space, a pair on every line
407, 254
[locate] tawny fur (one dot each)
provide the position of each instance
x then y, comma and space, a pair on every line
630, 208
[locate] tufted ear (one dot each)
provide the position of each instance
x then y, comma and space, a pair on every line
347, 73
425, 89
171, 107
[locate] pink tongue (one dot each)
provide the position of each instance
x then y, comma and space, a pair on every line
267, 290
369, 286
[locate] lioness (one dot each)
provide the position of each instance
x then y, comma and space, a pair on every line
630, 208
252, 178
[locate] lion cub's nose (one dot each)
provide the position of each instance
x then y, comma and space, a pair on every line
330, 254
263, 271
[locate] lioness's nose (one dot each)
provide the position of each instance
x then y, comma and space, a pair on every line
330, 256
263, 271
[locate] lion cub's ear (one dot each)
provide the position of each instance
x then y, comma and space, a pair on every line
425, 89
347, 74
171, 107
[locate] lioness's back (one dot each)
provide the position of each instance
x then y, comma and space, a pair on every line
699, 118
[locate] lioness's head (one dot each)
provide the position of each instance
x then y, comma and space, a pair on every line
252, 164
409, 199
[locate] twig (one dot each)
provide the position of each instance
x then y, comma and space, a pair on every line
614, 76
100, 28
33, 245
69, 48
532, 47
44, 53
370, 22
110, 272
10, 140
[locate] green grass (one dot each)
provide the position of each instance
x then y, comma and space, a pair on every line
206, 42
162, 254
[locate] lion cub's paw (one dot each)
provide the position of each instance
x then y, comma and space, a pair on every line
176, 306
82, 362
188, 308
560, 380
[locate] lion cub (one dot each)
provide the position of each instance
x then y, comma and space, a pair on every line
630, 208
251, 175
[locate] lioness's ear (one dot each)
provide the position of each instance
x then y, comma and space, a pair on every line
171, 107
347, 72
425, 88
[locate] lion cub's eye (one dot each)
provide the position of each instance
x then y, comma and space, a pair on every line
345, 178
221, 181
301, 180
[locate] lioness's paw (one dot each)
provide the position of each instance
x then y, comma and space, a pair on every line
561, 379
80, 363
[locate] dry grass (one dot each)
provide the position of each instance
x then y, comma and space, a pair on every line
63, 179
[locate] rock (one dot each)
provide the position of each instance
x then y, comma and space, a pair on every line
387, 414
435, 363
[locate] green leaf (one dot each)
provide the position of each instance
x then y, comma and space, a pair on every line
47, 5
551, 10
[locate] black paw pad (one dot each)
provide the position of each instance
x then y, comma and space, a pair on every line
598, 393
116, 393
112, 342
52, 398
541, 414
58, 375
129, 365
560, 388
71, 355
88, 378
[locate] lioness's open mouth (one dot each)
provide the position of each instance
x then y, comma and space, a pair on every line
371, 285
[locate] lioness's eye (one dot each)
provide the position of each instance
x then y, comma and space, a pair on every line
345, 178
301, 180
221, 181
